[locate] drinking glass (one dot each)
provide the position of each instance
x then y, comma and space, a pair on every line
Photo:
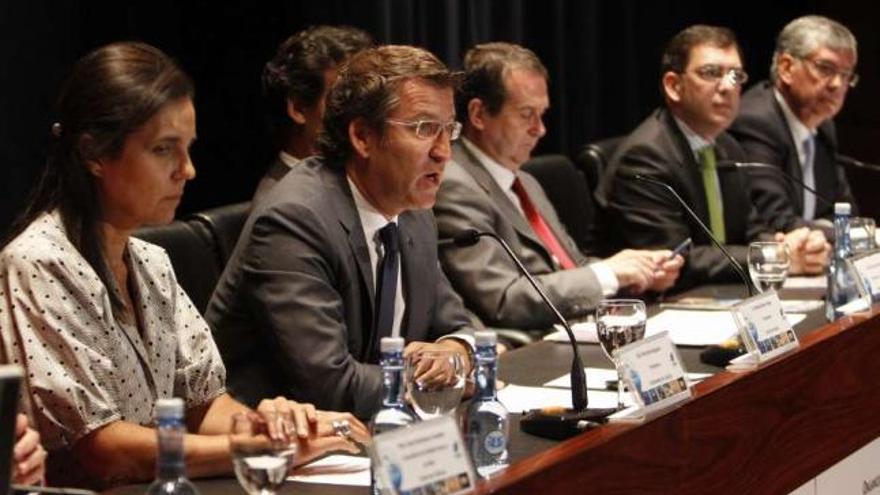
435, 382
861, 234
261, 463
768, 264
620, 322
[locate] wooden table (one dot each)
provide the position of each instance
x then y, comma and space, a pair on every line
764, 431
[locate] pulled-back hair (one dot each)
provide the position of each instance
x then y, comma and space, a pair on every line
368, 87
111, 92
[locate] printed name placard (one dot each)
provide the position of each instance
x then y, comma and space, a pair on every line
652, 370
867, 270
426, 458
763, 327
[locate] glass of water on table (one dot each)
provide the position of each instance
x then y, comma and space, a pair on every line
261, 462
620, 322
435, 382
769, 263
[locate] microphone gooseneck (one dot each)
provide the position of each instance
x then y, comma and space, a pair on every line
777, 170
736, 266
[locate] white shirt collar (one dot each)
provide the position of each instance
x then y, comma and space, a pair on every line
799, 132
371, 219
502, 175
288, 159
695, 141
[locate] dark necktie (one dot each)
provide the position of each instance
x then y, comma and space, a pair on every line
559, 254
386, 282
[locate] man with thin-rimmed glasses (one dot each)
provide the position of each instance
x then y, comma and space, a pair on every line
787, 122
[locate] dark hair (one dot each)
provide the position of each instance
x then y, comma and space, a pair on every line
368, 87
677, 53
297, 69
485, 67
111, 92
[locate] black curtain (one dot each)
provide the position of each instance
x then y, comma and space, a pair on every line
602, 57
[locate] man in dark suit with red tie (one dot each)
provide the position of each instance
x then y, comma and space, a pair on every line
501, 102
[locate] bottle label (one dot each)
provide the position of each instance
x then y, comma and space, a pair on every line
495, 443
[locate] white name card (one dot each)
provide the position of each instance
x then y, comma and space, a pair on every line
763, 327
652, 370
426, 458
867, 270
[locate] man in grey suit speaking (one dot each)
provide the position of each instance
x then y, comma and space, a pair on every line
502, 101
343, 250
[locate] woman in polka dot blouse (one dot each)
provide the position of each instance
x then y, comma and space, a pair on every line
96, 317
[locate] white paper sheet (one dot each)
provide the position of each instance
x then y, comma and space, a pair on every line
335, 470
700, 328
518, 399
816, 282
597, 378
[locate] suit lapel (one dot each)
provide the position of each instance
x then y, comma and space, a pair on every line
346, 212
412, 255
470, 163
694, 193
792, 161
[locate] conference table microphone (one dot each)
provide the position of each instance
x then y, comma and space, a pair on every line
555, 423
715, 355
737, 267
776, 170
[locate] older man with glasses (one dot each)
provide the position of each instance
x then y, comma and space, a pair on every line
684, 145
787, 122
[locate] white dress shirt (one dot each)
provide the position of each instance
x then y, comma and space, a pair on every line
801, 134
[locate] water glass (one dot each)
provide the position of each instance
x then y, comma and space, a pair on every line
769, 263
261, 463
620, 322
435, 382
861, 234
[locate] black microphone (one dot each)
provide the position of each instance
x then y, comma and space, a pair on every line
777, 170
550, 424
736, 266
853, 163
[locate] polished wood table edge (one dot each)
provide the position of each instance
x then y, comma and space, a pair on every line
576, 449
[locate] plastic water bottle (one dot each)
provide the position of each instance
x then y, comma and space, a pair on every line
487, 425
170, 468
841, 284
394, 413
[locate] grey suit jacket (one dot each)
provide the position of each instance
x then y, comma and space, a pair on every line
483, 274
762, 130
276, 171
293, 311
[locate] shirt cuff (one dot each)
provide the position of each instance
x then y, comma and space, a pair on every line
607, 279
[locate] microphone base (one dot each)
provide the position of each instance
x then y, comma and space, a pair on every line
559, 423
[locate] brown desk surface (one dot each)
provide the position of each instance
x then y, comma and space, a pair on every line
767, 431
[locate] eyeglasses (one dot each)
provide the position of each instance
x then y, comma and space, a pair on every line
714, 73
430, 129
827, 71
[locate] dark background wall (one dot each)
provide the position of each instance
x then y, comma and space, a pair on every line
602, 57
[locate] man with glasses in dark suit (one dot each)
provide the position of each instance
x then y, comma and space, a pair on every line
787, 123
681, 144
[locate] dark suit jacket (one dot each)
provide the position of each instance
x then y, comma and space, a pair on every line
276, 171
642, 215
762, 130
293, 311
483, 274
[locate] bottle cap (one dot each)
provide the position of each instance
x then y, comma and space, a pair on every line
391, 344
169, 408
485, 337
842, 208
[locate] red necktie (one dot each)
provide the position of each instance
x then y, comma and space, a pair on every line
541, 228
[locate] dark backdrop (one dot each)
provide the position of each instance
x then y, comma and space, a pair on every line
602, 57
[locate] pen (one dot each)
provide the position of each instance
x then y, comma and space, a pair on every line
681, 248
